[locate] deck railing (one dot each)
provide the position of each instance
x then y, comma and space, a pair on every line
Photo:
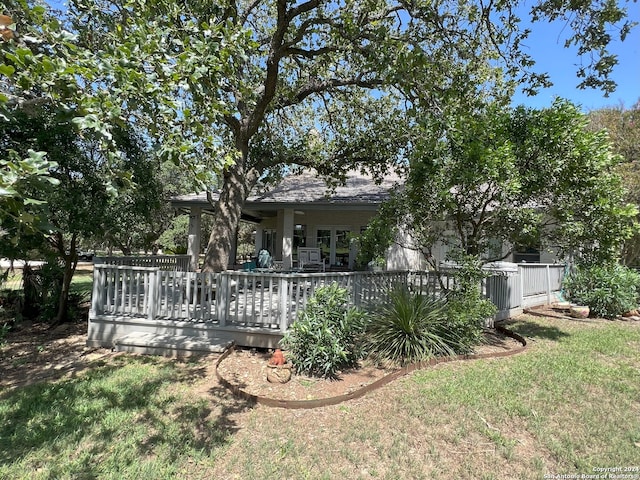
234, 298
272, 300
163, 262
540, 280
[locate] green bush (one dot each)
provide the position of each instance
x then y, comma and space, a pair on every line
608, 290
326, 336
410, 327
466, 315
42, 289
467, 309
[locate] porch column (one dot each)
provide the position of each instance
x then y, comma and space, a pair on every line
287, 238
258, 239
193, 243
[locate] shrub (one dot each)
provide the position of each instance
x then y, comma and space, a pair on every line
467, 309
410, 327
326, 336
466, 315
42, 289
608, 290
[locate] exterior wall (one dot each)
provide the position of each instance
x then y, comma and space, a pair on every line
398, 258
401, 258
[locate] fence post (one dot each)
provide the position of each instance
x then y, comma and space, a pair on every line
548, 284
97, 296
357, 289
521, 273
222, 297
283, 307
154, 294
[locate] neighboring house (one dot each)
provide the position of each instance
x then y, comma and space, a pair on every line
301, 211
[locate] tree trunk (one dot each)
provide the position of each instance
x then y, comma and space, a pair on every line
237, 185
70, 262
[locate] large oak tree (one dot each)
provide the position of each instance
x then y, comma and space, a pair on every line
249, 90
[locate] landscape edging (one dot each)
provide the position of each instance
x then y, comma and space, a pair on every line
324, 402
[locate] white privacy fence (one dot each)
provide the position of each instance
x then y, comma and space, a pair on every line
272, 300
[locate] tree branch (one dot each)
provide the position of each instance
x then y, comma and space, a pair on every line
324, 86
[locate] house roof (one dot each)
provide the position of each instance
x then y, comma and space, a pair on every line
308, 190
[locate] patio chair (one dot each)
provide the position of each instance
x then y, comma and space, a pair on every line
310, 259
265, 260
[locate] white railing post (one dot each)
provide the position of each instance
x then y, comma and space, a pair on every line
357, 289
154, 294
283, 307
521, 273
222, 297
97, 296
548, 285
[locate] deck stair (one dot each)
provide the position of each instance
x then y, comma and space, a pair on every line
171, 345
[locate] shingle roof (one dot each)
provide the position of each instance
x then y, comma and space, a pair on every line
308, 188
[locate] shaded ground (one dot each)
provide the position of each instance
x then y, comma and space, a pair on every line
34, 353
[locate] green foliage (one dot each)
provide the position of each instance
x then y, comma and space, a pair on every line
42, 288
467, 309
254, 90
326, 336
409, 327
515, 177
607, 289
375, 240
21, 214
622, 126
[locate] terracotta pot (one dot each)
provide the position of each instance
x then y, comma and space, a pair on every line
277, 358
279, 373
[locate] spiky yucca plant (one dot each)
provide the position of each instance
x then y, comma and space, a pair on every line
410, 327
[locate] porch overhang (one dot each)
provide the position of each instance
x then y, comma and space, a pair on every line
305, 192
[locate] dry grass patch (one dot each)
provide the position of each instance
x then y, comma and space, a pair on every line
569, 403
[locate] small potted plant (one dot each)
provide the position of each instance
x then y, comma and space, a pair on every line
377, 264
279, 370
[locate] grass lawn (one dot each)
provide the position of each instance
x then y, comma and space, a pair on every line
567, 405
81, 283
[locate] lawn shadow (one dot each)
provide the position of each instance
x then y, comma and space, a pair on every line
534, 330
111, 404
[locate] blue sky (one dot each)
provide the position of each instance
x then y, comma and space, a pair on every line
546, 46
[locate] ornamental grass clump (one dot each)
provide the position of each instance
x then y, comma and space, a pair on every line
410, 327
327, 335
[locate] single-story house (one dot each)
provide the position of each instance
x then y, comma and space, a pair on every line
301, 211
162, 304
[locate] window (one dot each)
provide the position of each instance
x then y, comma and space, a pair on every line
269, 240
334, 245
526, 254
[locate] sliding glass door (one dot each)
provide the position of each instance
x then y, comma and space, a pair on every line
334, 245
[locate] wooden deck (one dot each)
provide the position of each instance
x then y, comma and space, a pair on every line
256, 308
251, 308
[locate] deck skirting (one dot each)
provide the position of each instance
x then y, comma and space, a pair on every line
104, 330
